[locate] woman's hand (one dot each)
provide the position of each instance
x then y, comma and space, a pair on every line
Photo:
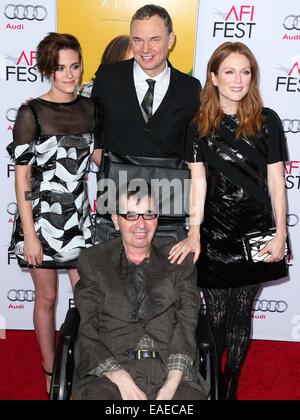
33, 251
275, 248
180, 251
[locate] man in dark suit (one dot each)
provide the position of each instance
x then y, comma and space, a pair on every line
138, 315
146, 104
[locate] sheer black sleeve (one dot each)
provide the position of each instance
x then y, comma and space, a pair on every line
98, 132
25, 131
277, 149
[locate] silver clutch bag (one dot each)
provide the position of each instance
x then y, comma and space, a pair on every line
254, 242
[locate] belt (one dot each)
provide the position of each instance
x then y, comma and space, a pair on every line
142, 354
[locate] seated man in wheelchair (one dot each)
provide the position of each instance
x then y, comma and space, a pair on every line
138, 314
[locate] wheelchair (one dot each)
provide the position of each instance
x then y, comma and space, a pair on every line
63, 368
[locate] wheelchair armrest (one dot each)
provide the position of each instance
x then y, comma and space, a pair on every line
70, 326
207, 347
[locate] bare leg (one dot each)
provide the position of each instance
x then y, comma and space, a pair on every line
45, 282
73, 276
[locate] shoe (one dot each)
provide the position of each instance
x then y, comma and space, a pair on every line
229, 386
50, 376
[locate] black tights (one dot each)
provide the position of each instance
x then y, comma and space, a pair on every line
229, 312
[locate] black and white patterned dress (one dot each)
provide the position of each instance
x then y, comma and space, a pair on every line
57, 140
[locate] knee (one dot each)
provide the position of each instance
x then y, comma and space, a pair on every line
45, 300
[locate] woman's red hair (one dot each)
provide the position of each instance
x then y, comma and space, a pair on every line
249, 112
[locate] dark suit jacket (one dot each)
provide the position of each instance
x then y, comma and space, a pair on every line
124, 127
106, 300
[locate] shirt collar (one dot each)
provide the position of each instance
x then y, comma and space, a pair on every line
140, 75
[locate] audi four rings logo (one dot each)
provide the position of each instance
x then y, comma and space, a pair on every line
12, 208
270, 306
25, 12
292, 220
11, 114
21, 295
292, 22
291, 126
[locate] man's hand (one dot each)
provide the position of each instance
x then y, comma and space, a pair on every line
167, 391
127, 387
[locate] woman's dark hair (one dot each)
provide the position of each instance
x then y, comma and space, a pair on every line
116, 50
48, 51
150, 10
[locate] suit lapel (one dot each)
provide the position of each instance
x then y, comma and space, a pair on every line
172, 96
121, 273
128, 88
157, 268
160, 285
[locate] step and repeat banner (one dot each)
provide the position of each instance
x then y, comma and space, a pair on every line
95, 23
271, 28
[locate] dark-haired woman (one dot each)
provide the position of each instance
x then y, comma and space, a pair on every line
243, 147
53, 140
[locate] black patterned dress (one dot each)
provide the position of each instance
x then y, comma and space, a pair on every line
57, 140
237, 202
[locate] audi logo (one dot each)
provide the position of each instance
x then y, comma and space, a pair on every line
11, 114
291, 126
25, 12
21, 295
12, 209
292, 220
292, 22
270, 306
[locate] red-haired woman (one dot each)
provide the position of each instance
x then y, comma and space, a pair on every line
243, 146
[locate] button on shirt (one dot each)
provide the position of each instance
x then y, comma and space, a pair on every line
161, 85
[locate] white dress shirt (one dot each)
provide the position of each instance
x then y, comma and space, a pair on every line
160, 88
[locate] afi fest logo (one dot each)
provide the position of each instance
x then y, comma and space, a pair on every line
292, 175
291, 82
238, 22
23, 69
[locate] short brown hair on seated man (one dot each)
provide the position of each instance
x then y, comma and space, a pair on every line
138, 315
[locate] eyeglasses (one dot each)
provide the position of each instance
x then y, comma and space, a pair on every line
132, 217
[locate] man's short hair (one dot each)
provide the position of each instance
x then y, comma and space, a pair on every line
135, 192
150, 10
